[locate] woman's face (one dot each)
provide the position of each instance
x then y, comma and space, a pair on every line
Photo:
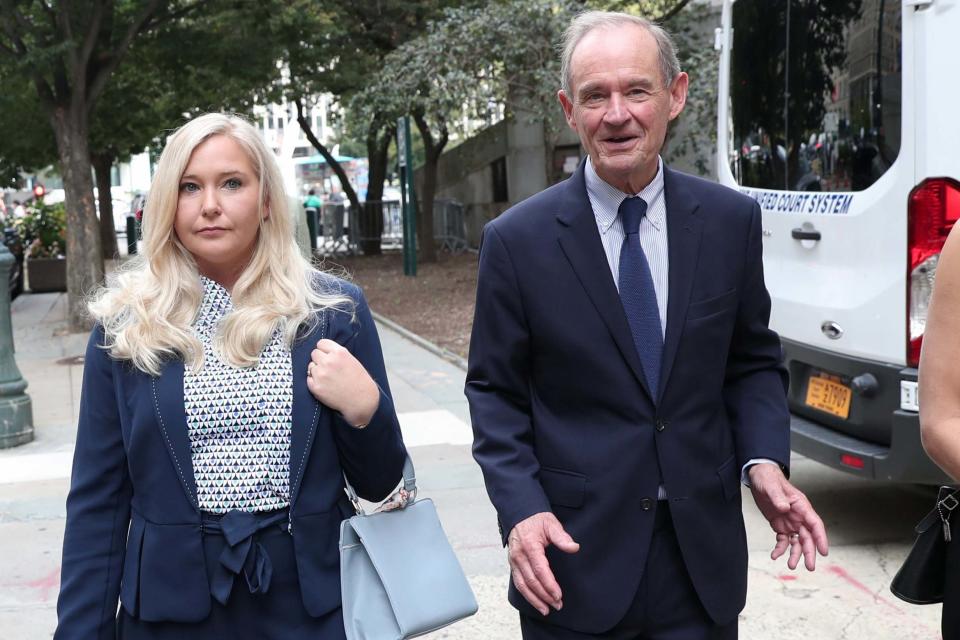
218, 208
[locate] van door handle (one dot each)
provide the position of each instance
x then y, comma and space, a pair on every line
804, 234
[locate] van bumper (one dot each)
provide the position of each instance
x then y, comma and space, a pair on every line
903, 461
878, 440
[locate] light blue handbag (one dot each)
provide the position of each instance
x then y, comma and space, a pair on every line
399, 577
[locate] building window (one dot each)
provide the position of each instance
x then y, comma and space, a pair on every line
498, 169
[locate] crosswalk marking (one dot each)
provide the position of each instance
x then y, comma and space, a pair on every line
419, 428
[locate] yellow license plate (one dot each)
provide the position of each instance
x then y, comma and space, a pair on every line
826, 394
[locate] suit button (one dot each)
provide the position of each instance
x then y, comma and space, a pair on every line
646, 504
661, 424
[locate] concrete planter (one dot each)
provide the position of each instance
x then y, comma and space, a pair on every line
47, 274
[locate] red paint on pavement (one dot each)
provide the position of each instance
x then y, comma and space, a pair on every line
49, 582
841, 573
786, 577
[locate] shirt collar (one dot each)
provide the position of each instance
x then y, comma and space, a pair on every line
609, 197
215, 304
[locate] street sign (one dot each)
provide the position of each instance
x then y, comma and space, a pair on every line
408, 197
402, 133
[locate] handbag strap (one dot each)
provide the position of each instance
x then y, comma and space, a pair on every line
409, 485
949, 502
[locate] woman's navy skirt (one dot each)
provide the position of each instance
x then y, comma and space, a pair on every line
276, 613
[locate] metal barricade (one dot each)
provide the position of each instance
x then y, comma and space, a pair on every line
449, 227
344, 231
334, 236
378, 221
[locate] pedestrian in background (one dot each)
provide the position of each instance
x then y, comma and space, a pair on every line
228, 387
311, 207
939, 385
623, 380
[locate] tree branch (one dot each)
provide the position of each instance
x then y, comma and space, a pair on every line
10, 9
156, 21
48, 9
677, 8
19, 48
331, 161
98, 81
424, 128
80, 60
62, 23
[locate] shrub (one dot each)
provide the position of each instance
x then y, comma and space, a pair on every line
43, 230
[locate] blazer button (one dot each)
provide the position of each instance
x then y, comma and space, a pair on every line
661, 424
646, 504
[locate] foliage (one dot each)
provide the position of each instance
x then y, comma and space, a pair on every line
477, 64
693, 134
473, 64
28, 142
334, 47
193, 68
43, 229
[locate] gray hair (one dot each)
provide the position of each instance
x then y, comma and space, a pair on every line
588, 21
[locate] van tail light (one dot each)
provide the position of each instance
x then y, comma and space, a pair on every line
932, 209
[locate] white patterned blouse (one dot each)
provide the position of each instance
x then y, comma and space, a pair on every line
239, 419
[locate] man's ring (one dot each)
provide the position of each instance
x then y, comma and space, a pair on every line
794, 536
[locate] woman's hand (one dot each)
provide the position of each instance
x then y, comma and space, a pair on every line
338, 380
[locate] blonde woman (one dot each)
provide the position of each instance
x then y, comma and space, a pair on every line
228, 387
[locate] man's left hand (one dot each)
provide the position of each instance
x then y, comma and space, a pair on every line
790, 514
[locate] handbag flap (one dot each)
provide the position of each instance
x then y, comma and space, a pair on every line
419, 571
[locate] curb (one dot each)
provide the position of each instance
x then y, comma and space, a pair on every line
435, 349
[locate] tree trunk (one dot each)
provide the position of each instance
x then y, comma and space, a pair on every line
428, 247
432, 149
102, 164
84, 256
371, 222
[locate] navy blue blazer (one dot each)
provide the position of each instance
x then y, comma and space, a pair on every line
562, 415
133, 523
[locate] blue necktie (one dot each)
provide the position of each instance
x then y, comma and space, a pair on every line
637, 294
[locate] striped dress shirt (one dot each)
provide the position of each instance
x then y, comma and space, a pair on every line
605, 200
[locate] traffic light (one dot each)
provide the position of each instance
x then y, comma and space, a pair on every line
39, 191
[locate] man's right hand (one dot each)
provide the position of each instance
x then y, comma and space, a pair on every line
528, 559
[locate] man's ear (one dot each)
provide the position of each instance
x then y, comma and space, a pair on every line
567, 105
678, 94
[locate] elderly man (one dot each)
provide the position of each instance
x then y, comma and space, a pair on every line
623, 380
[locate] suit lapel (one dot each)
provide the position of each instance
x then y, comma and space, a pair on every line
580, 241
168, 405
306, 408
683, 241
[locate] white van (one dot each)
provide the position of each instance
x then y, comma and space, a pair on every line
842, 119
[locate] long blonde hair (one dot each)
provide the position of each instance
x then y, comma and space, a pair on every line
149, 307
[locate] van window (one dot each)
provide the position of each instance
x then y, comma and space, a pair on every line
815, 93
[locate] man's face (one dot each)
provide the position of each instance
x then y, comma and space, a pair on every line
620, 106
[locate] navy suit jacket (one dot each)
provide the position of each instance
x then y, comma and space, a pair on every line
133, 523
562, 415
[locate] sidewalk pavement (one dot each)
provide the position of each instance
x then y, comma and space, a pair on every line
847, 597
34, 478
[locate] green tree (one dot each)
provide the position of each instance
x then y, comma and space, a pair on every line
28, 142
193, 69
471, 62
335, 48
68, 51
